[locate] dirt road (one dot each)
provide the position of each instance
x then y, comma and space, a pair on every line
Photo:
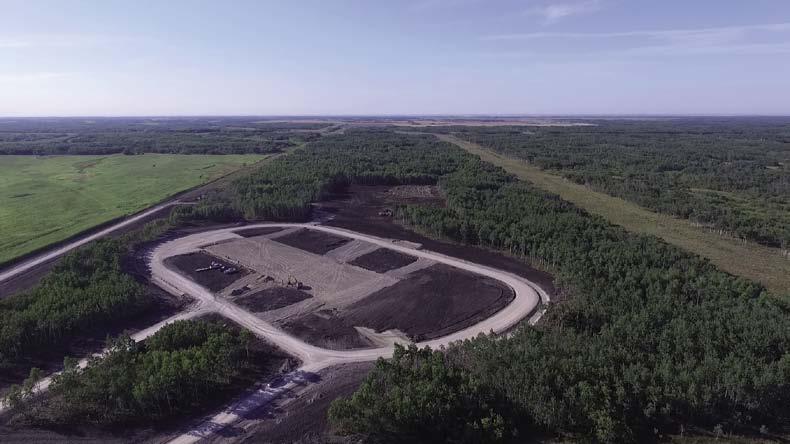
527, 303
38, 260
528, 297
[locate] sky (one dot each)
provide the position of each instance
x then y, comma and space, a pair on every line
378, 57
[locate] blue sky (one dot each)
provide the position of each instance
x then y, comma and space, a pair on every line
295, 57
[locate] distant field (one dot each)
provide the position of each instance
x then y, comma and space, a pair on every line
747, 259
47, 199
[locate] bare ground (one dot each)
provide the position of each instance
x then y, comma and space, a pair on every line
260, 231
215, 280
431, 303
383, 260
357, 209
271, 299
315, 242
325, 329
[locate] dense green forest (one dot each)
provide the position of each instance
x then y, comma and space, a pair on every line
224, 135
730, 174
176, 371
86, 291
286, 188
653, 338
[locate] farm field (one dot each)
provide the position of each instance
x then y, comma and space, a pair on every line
47, 199
748, 259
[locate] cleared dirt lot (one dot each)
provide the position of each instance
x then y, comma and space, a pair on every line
357, 208
331, 282
325, 329
214, 280
260, 231
383, 260
431, 303
313, 241
271, 299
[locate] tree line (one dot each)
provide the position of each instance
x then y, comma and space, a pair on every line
652, 340
732, 174
179, 370
85, 292
137, 136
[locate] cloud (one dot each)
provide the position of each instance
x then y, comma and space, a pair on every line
699, 35
32, 77
50, 41
554, 12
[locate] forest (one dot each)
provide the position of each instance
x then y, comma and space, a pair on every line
732, 175
85, 292
224, 135
653, 339
285, 189
177, 371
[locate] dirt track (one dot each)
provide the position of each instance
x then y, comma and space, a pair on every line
526, 302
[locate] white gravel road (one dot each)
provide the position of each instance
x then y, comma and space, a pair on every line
528, 297
527, 303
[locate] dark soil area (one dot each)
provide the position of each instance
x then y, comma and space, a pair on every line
358, 207
431, 303
214, 280
304, 419
325, 329
383, 260
314, 241
271, 299
252, 232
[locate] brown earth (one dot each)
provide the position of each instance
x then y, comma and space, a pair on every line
383, 260
271, 299
316, 242
252, 232
357, 209
304, 418
214, 280
431, 303
325, 329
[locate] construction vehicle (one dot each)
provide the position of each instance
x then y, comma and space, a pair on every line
292, 282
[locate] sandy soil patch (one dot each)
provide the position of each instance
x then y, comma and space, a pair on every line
333, 283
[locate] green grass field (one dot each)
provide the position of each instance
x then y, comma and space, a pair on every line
763, 264
47, 199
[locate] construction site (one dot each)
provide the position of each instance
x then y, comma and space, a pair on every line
340, 293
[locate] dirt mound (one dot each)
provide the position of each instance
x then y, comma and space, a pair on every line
314, 241
215, 279
383, 260
325, 329
271, 299
259, 231
431, 303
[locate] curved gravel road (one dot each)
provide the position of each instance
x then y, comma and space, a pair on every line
528, 297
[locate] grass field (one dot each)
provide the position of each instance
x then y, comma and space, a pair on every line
762, 264
47, 199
